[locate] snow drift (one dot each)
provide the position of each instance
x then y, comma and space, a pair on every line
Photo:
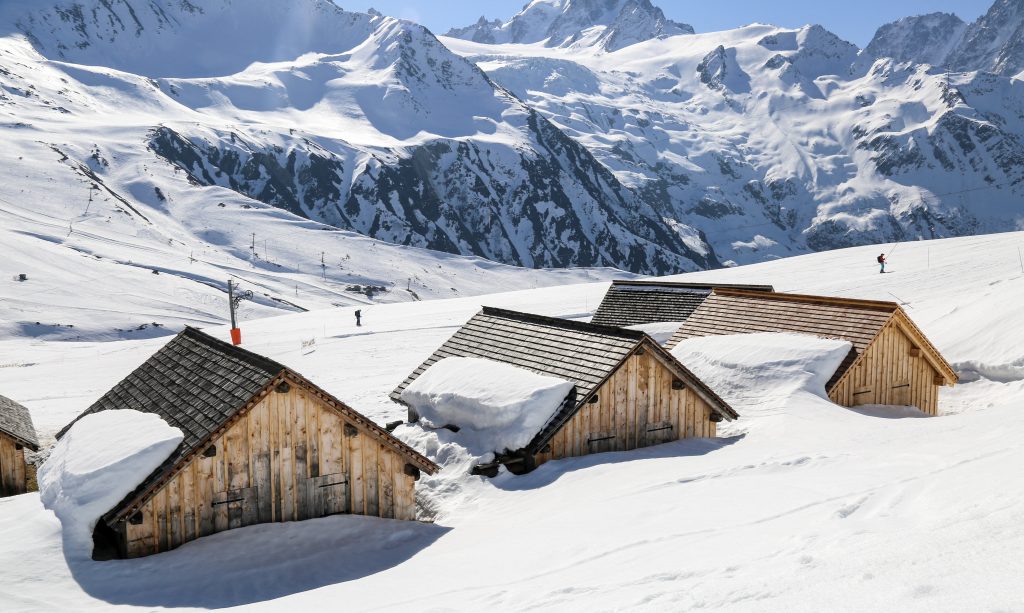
497, 406
96, 464
766, 366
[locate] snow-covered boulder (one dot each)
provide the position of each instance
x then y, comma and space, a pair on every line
98, 462
763, 366
497, 406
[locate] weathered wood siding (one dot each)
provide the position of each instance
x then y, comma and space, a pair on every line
636, 407
292, 457
893, 371
12, 467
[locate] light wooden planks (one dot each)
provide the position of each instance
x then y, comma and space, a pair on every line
13, 472
636, 407
890, 373
288, 458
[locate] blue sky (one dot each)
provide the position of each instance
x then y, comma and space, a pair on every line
854, 20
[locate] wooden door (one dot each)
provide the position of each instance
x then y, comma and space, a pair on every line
328, 495
864, 395
235, 509
900, 394
659, 432
600, 442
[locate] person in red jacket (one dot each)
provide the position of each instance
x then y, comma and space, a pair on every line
881, 261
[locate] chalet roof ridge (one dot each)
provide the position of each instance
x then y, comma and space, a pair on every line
229, 349
566, 324
200, 385
562, 351
812, 299
654, 283
16, 422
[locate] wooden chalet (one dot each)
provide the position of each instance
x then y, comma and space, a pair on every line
16, 435
262, 444
891, 362
629, 391
634, 303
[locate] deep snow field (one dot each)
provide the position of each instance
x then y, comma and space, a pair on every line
800, 505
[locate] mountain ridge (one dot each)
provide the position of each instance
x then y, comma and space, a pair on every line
994, 42
606, 24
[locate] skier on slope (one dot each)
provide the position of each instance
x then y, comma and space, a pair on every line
881, 261
359, 318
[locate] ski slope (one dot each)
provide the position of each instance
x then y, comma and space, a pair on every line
799, 506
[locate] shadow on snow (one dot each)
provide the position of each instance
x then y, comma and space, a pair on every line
552, 471
257, 563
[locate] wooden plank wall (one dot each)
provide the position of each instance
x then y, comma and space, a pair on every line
292, 457
636, 407
890, 373
12, 467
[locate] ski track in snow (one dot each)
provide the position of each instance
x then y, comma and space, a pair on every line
801, 505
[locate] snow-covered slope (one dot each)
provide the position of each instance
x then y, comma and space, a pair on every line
800, 506
924, 39
602, 24
359, 121
772, 142
993, 43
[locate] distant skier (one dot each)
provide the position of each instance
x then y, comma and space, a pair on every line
359, 318
881, 262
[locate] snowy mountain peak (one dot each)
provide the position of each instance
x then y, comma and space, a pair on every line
606, 24
179, 38
994, 43
924, 38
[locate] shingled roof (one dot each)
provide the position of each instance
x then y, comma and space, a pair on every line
16, 422
583, 353
199, 384
729, 311
634, 303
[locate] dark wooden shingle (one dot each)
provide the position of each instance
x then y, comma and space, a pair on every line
737, 312
16, 422
634, 303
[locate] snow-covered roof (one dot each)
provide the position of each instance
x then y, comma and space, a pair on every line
631, 303
16, 422
497, 406
197, 383
585, 354
729, 311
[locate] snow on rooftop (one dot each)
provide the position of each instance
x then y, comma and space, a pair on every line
768, 366
496, 405
98, 462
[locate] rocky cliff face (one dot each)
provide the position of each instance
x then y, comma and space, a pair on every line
994, 43
927, 39
373, 125
772, 142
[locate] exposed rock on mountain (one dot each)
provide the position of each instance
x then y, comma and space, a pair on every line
994, 43
605, 24
924, 39
371, 125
